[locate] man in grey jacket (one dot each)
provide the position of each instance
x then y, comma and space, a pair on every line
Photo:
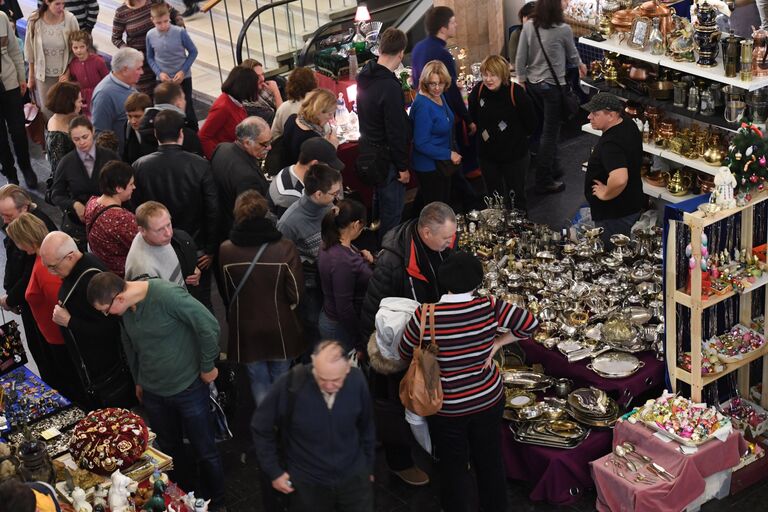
14, 86
302, 223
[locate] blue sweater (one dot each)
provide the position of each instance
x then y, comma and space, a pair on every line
432, 125
108, 107
323, 446
170, 51
433, 48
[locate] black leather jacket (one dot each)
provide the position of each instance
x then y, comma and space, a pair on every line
184, 184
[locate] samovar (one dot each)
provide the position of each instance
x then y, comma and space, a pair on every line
706, 35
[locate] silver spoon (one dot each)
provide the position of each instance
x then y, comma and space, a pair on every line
622, 454
630, 449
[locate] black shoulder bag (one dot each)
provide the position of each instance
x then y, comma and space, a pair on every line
570, 104
447, 167
117, 387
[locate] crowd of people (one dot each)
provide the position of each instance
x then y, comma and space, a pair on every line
116, 295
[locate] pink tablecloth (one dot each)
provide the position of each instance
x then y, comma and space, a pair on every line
615, 493
337, 86
557, 476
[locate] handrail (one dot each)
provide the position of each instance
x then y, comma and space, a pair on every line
301, 60
247, 24
210, 4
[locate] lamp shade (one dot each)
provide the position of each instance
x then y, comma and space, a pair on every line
362, 13
352, 93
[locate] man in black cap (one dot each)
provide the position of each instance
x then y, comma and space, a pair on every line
287, 186
612, 184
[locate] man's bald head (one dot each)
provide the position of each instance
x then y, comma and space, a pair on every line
330, 366
59, 253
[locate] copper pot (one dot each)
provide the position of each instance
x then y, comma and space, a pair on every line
633, 109
655, 9
622, 20
705, 183
666, 130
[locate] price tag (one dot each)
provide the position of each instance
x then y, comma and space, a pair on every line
49, 434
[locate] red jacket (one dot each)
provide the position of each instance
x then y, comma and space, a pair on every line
220, 124
42, 295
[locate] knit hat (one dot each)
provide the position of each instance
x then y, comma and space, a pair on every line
461, 272
604, 101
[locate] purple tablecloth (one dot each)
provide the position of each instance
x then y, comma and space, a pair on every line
556, 365
615, 493
558, 476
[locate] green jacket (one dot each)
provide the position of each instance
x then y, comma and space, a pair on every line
169, 339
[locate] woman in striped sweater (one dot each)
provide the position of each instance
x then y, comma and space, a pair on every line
468, 427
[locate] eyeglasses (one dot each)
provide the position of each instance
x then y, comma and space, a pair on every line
336, 194
53, 267
106, 311
435, 84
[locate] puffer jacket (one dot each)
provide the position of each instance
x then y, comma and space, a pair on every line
263, 325
401, 271
184, 184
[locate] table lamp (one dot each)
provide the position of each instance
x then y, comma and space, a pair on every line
361, 16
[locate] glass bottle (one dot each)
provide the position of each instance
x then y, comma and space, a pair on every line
707, 102
656, 39
352, 63
693, 98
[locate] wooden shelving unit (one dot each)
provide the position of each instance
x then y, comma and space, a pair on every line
697, 222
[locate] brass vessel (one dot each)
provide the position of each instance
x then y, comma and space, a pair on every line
679, 184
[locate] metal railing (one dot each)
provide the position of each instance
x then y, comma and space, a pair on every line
287, 22
407, 6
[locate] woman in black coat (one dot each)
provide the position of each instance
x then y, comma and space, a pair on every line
74, 183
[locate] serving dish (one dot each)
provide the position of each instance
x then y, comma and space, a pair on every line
525, 379
615, 365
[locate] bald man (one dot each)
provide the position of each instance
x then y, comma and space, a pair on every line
92, 339
324, 417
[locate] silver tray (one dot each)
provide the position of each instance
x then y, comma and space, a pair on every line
615, 365
526, 380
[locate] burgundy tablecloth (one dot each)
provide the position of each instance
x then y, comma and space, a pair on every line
615, 493
337, 86
555, 364
558, 476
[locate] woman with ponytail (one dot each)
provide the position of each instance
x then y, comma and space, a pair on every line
344, 273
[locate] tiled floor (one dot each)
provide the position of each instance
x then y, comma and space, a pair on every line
392, 495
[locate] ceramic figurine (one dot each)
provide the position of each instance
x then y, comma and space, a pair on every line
99, 508
79, 502
725, 182
201, 506
157, 502
100, 496
122, 487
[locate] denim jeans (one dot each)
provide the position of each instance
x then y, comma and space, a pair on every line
388, 202
189, 412
333, 330
263, 374
620, 225
546, 97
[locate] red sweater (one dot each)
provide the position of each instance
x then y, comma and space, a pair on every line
220, 124
87, 74
42, 295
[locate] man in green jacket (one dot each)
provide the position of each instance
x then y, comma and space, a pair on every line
171, 342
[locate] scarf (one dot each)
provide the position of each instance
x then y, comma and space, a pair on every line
254, 232
315, 127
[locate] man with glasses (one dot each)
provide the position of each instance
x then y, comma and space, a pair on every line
171, 342
287, 186
92, 340
183, 183
236, 167
302, 224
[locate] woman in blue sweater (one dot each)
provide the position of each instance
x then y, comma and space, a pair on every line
432, 122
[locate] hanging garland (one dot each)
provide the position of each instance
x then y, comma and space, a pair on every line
746, 158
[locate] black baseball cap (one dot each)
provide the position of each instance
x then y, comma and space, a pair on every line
321, 150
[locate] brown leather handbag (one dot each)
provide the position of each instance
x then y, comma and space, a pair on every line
421, 390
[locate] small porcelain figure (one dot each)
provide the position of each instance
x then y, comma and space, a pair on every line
79, 502
122, 487
100, 496
725, 183
201, 506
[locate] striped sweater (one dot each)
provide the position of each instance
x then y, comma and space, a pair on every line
465, 328
86, 12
